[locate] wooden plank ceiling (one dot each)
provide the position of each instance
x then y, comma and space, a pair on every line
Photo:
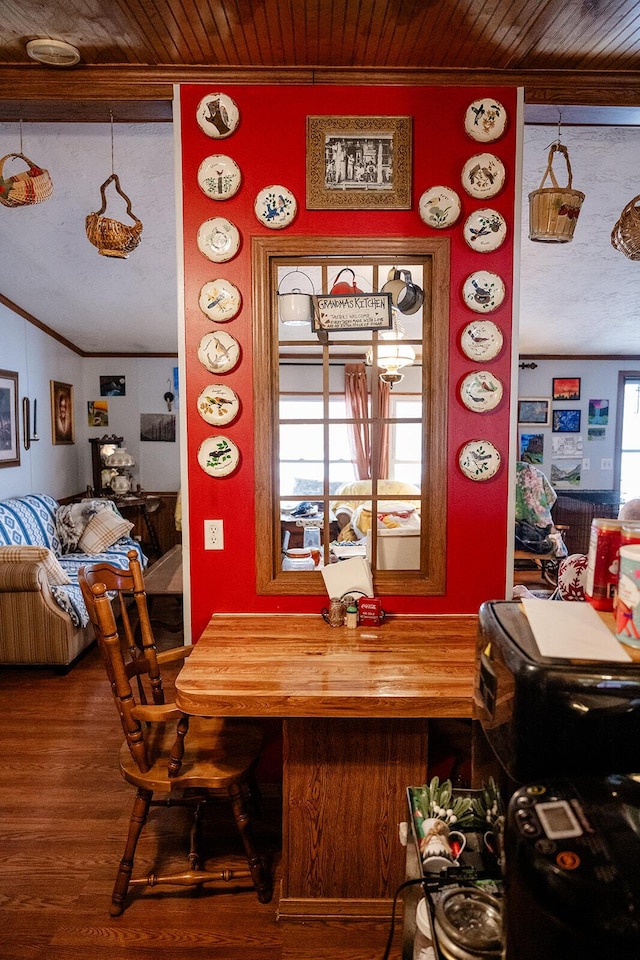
561, 51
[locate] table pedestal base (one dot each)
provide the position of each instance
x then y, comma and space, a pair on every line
344, 794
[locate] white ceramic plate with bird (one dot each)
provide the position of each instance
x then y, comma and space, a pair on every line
218, 404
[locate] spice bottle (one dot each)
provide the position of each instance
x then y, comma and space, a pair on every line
352, 616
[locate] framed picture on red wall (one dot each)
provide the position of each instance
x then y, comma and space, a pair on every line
358, 163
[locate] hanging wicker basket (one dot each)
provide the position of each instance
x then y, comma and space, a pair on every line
553, 211
23, 189
112, 238
625, 236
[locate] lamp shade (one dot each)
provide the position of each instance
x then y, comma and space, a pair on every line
119, 458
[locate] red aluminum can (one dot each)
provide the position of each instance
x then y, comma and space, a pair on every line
629, 532
603, 561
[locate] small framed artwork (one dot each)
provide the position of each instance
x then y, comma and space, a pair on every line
532, 447
158, 427
113, 386
566, 388
9, 430
599, 412
358, 163
62, 425
98, 413
566, 421
535, 410
565, 474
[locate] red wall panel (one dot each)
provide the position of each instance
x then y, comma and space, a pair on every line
269, 147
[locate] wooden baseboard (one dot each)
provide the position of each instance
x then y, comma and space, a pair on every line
298, 908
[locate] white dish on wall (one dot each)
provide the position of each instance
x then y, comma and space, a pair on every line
483, 175
481, 391
485, 119
483, 291
275, 207
485, 230
218, 404
218, 456
218, 239
220, 300
219, 177
439, 207
481, 340
217, 115
479, 460
219, 352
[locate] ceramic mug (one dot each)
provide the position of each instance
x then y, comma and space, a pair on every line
436, 845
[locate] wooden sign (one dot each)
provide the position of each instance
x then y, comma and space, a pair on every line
352, 311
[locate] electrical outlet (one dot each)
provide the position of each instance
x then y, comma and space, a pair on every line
586, 463
213, 535
606, 464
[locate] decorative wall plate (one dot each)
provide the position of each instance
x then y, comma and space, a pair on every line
485, 230
439, 207
485, 120
483, 291
218, 456
218, 239
217, 115
481, 391
219, 177
483, 175
275, 207
220, 300
479, 460
218, 404
219, 352
481, 340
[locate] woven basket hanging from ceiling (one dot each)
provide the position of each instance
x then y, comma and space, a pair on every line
112, 238
553, 211
23, 189
625, 235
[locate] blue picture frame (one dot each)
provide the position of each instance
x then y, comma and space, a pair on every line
566, 421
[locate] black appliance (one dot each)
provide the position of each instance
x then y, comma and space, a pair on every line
544, 716
565, 744
572, 870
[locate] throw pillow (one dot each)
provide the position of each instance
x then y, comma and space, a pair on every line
102, 531
72, 518
55, 574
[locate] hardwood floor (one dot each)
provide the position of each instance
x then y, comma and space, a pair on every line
64, 811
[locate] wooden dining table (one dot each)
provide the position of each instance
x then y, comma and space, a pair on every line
355, 707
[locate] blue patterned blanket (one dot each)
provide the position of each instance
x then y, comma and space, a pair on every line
31, 521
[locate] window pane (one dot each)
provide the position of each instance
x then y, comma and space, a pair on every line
629, 476
301, 441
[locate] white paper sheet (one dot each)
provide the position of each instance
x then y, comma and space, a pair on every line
348, 576
572, 630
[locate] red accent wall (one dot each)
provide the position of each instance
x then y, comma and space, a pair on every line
269, 147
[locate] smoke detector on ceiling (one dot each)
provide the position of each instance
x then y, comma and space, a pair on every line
53, 53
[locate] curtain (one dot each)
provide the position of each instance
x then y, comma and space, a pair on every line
356, 396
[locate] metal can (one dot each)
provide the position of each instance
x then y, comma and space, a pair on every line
629, 532
603, 562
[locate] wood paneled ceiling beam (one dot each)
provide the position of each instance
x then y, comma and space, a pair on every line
88, 93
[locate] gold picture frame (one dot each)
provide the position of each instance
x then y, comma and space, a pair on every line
62, 418
358, 163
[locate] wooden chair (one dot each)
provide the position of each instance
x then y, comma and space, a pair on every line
191, 760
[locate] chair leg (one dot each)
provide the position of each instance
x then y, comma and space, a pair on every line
261, 880
137, 821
